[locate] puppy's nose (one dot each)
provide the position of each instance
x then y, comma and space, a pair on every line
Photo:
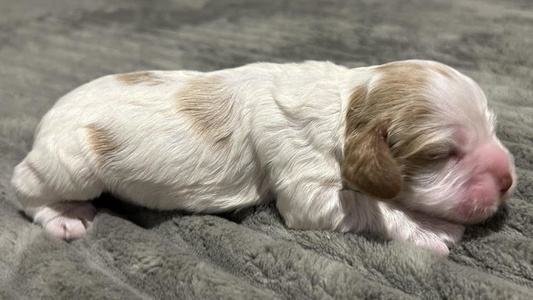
506, 181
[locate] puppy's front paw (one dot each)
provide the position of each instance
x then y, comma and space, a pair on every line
436, 234
66, 220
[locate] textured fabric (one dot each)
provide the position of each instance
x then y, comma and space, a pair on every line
48, 47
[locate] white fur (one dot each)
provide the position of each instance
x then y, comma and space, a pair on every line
288, 127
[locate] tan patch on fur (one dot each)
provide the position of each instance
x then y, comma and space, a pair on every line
357, 103
385, 127
400, 100
101, 142
209, 106
144, 77
369, 167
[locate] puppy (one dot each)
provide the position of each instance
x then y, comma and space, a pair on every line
325, 141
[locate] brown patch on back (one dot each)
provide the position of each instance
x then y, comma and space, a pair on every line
209, 106
101, 142
144, 77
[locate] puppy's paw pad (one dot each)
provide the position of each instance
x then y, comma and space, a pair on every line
65, 228
66, 220
441, 239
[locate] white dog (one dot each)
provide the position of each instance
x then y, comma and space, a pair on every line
326, 141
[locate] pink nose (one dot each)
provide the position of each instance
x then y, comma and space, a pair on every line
499, 165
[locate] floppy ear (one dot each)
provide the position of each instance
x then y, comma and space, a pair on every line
369, 166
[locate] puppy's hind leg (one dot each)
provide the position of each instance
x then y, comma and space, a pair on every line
53, 188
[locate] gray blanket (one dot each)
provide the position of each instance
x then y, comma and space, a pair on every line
48, 47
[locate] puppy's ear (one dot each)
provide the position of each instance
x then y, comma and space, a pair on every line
369, 166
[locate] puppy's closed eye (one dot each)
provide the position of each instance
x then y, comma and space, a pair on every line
439, 154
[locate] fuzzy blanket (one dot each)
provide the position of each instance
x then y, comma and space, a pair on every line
48, 47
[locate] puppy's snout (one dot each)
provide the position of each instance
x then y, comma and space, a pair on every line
500, 166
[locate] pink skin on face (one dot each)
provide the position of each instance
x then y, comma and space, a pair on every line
492, 168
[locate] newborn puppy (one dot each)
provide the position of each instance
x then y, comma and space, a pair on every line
326, 141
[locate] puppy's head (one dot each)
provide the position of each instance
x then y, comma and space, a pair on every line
420, 133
